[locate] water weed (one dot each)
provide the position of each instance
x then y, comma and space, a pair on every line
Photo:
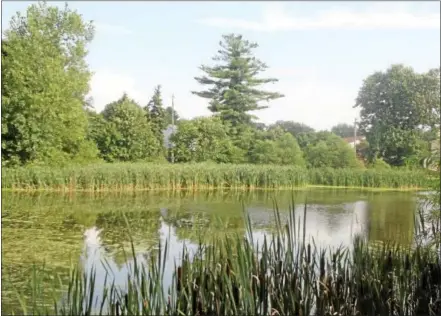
284, 275
136, 176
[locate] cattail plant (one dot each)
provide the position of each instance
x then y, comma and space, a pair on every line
147, 176
284, 275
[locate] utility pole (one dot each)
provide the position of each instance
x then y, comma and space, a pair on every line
173, 109
355, 136
173, 127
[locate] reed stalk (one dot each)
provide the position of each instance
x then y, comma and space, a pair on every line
285, 275
135, 176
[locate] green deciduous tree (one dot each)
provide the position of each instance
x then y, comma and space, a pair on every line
278, 147
264, 152
326, 149
289, 150
44, 84
234, 82
396, 106
98, 132
294, 128
396, 146
343, 130
306, 138
126, 134
205, 139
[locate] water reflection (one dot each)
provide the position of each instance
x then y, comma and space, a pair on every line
99, 262
392, 219
326, 228
90, 229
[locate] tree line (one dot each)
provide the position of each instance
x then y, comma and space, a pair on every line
48, 120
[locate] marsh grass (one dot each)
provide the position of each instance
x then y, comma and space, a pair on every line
136, 176
285, 275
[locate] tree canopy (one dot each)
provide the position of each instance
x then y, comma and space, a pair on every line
325, 149
48, 119
126, 134
396, 106
278, 147
343, 130
294, 128
204, 139
45, 79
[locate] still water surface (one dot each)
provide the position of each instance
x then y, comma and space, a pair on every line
59, 230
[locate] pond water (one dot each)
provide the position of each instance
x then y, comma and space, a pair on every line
58, 230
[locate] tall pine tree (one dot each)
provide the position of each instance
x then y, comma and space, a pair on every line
234, 82
157, 114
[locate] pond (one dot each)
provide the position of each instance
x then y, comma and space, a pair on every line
58, 230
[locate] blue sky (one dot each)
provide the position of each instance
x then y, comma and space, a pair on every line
319, 51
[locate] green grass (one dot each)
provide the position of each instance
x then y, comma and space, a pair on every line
283, 276
129, 177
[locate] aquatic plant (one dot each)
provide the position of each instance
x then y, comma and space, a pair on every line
285, 275
136, 176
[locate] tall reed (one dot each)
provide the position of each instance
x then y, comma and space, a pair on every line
285, 275
136, 176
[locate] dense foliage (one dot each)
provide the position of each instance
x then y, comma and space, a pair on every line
124, 134
204, 139
398, 107
47, 120
327, 149
277, 147
44, 83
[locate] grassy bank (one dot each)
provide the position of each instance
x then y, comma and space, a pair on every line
283, 276
122, 177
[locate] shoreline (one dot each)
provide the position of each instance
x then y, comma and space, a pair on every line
205, 189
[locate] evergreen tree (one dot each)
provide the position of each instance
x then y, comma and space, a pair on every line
157, 114
234, 82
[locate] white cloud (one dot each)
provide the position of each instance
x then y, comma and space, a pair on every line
275, 18
312, 102
308, 98
107, 86
112, 29
311, 99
